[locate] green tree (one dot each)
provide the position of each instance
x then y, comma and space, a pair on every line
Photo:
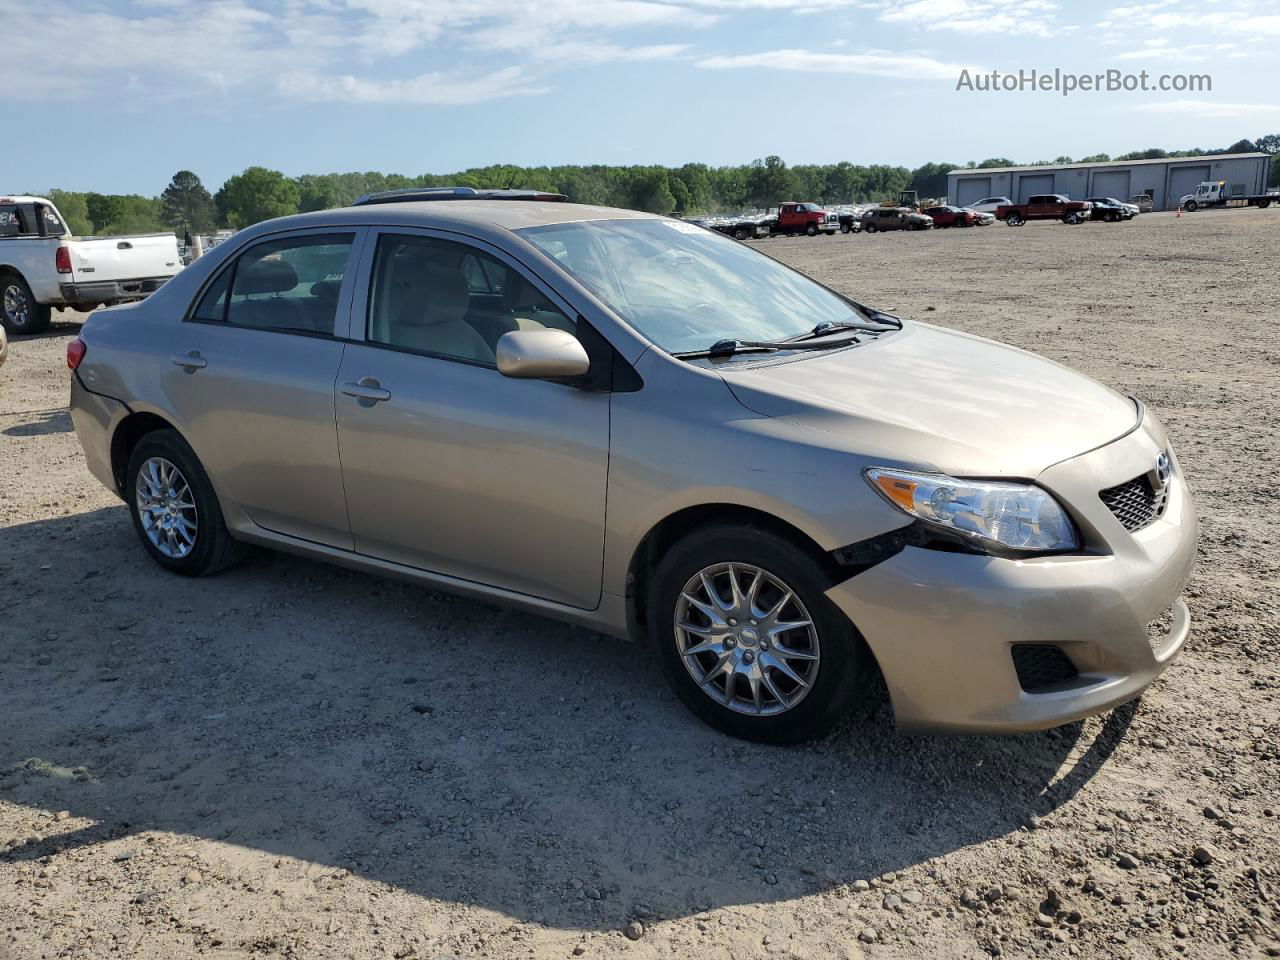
996, 162
74, 210
103, 209
1096, 158
769, 182
930, 179
256, 194
187, 205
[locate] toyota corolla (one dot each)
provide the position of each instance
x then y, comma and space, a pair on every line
639, 425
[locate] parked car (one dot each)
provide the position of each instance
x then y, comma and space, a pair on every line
990, 204
894, 218
1111, 210
952, 216
43, 266
1142, 202
984, 219
578, 411
850, 222
1049, 206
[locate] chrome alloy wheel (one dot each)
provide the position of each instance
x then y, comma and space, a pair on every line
167, 508
746, 639
16, 306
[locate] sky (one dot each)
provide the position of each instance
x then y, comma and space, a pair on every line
117, 95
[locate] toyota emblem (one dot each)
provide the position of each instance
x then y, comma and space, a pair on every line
1164, 469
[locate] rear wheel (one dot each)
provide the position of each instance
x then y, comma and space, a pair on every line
1263, 204
1014, 220
175, 510
742, 628
19, 311
741, 233
870, 228
845, 228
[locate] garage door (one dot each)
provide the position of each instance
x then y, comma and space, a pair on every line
972, 190
1113, 183
1184, 180
1031, 186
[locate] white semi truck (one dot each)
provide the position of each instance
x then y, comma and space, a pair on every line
1215, 193
43, 267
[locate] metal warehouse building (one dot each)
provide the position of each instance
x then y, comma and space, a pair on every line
1166, 181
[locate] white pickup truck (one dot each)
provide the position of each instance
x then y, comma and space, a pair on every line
43, 266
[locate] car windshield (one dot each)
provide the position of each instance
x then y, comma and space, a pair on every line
685, 288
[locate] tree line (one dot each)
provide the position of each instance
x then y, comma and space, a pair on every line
258, 193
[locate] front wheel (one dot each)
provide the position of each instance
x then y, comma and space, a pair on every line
742, 233
175, 510
870, 228
19, 312
845, 228
1263, 204
741, 626
811, 230
1192, 206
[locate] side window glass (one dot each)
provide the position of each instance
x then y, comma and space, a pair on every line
213, 305
450, 300
9, 226
290, 284
52, 224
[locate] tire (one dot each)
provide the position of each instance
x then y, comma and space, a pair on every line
19, 311
211, 548
1014, 220
1113, 218
1192, 206
845, 228
1263, 204
870, 228
742, 233
838, 679
1071, 219
811, 229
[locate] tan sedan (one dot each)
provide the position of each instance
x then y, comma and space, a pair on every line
645, 427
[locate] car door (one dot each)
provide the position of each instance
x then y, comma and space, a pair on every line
251, 377
448, 465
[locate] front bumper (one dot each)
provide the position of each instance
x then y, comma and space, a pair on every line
111, 291
942, 625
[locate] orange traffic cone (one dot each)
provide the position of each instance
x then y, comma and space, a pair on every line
1179, 212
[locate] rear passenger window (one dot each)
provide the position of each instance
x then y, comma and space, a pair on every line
290, 284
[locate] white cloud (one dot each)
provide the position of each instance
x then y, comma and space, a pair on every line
872, 63
1028, 17
1208, 109
427, 88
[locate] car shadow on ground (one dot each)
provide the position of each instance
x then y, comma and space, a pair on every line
44, 422
450, 748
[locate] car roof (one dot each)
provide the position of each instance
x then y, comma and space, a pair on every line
508, 214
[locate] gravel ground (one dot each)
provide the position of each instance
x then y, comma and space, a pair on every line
292, 760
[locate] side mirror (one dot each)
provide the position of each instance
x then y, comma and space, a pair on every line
541, 355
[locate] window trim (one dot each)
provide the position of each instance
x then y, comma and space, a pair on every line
230, 264
362, 299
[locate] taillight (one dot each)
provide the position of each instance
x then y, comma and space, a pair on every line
75, 352
62, 260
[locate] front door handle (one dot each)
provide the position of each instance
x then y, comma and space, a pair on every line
368, 391
191, 361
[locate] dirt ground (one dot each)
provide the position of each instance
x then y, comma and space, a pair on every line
292, 760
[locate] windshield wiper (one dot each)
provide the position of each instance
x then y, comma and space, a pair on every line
828, 327
728, 347
871, 313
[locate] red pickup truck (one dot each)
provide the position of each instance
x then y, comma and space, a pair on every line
808, 218
1050, 206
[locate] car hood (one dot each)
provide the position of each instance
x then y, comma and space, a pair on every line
938, 399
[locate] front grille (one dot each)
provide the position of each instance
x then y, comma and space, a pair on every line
1041, 665
1136, 504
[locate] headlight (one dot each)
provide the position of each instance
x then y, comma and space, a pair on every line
1018, 516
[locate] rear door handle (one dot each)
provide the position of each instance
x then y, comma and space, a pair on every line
192, 361
368, 389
